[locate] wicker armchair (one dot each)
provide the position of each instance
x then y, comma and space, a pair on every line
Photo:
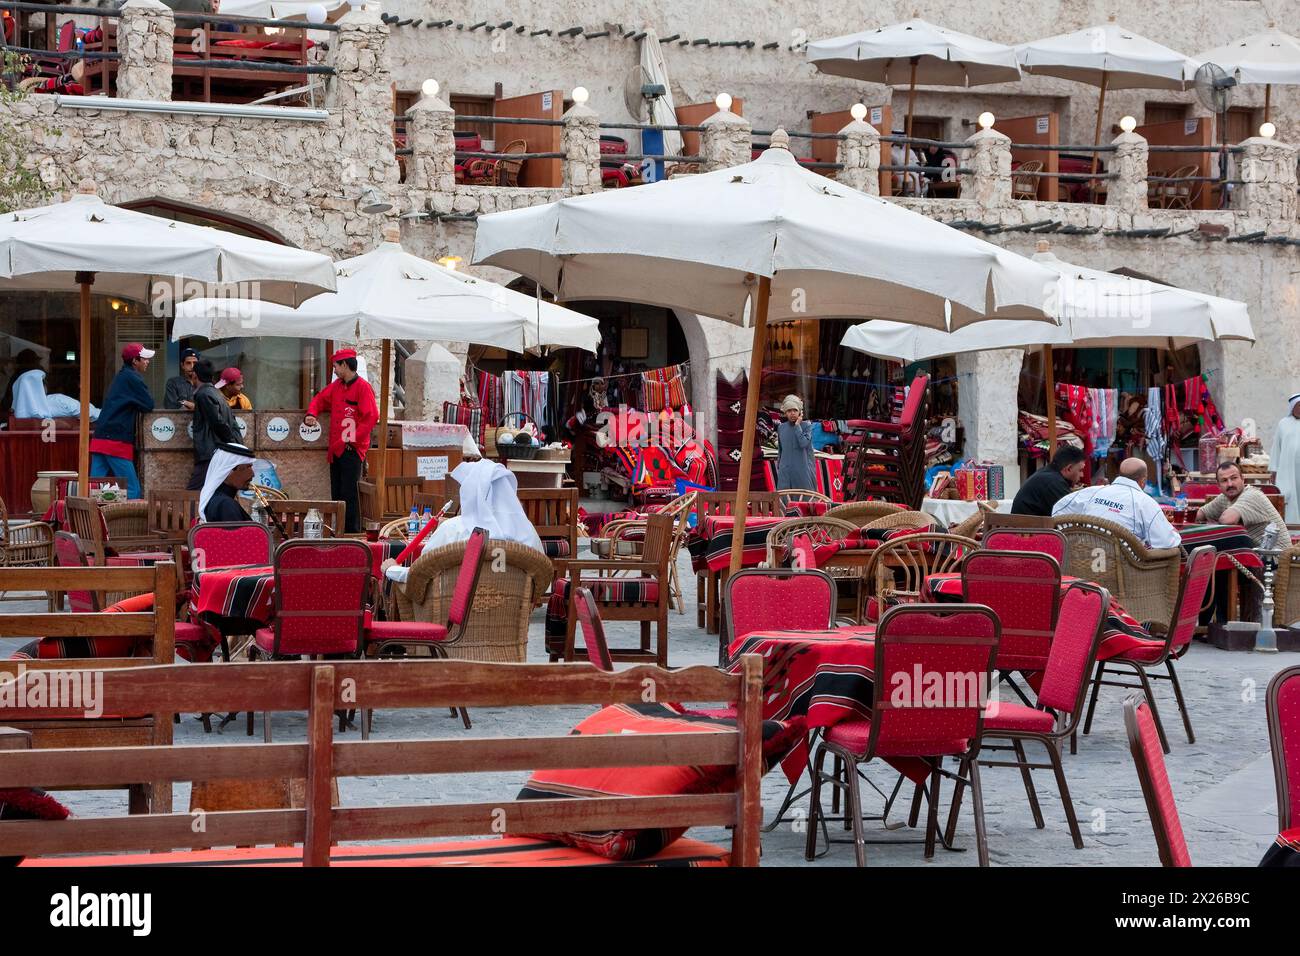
1286, 593
498, 623
1143, 580
904, 519
25, 545
862, 513
821, 530
899, 568
127, 519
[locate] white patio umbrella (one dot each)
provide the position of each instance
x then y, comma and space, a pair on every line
388, 294
662, 109
1108, 57
1271, 58
85, 243
905, 54
283, 9
771, 235
1097, 310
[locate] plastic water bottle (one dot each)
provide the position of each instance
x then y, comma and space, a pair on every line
312, 525
1180, 507
425, 518
413, 523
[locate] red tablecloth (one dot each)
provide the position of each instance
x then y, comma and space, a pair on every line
246, 592
381, 551
711, 544
1225, 539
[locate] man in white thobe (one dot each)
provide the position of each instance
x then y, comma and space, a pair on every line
1285, 459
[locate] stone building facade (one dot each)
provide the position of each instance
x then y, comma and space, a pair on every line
300, 172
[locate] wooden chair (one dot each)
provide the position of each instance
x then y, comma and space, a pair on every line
762, 504
171, 513
435, 501
1024, 185
903, 519
497, 172
141, 722
399, 495
791, 497
1153, 777
27, 544
643, 598
553, 513
292, 513
323, 830
625, 537
1286, 587
1144, 581
1183, 195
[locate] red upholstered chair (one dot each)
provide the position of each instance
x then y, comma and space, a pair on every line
229, 544
887, 459
68, 553
1007, 725
956, 644
320, 604
1145, 742
1141, 655
775, 599
1047, 541
1284, 740
593, 630
384, 637
1024, 589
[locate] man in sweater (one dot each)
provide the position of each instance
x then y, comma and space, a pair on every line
1240, 504
350, 403
112, 447
1048, 485
214, 423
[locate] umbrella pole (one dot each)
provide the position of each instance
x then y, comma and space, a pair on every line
85, 279
1051, 402
381, 473
1096, 139
911, 104
751, 419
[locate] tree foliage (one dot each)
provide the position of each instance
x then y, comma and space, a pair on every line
20, 185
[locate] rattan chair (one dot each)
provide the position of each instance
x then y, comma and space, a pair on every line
793, 496
861, 513
25, 545
498, 623
820, 530
624, 538
904, 519
898, 569
1142, 580
1286, 593
1024, 185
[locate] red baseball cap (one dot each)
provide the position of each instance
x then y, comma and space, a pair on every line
230, 376
134, 350
342, 354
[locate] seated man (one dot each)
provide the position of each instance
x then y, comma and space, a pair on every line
28, 398
1124, 502
1240, 504
1049, 484
229, 473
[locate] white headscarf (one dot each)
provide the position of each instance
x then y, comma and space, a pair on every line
489, 498
1290, 402
219, 468
29, 395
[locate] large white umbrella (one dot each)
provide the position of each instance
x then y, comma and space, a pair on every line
1271, 58
662, 110
905, 54
388, 294
1097, 310
792, 243
1108, 57
85, 243
279, 9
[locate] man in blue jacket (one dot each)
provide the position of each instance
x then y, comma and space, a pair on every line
112, 448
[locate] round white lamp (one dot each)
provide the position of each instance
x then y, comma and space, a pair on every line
1268, 130
986, 120
722, 101
858, 111
316, 13
580, 95
1128, 124
430, 87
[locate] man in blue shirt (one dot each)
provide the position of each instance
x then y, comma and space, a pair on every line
112, 449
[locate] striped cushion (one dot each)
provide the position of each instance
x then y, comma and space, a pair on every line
609, 592
556, 547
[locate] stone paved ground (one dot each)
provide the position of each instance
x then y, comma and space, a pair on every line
1223, 782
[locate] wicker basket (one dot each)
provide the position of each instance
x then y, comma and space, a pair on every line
509, 450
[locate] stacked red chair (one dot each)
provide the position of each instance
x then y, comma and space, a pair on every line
886, 460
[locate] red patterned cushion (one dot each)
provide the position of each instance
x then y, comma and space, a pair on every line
1128, 647
778, 738
556, 547
853, 736
1006, 715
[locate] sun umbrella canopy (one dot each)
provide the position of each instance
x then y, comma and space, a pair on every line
1098, 310
943, 57
43, 249
1125, 59
1270, 58
390, 294
278, 9
829, 250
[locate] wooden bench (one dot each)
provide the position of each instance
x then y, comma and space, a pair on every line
321, 689
124, 725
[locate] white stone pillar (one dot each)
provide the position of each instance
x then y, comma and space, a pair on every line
859, 155
989, 162
430, 134
988, 384
1128, 190
144, 42
580, 143
726, 140
1268, 171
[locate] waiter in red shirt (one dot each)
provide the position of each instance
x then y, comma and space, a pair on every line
350, 403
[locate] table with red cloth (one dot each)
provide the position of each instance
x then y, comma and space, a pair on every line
1122, 630
1225, 539
710, 543
824, 676
229, 598
381, 551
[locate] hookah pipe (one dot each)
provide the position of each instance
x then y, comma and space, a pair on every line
260, 497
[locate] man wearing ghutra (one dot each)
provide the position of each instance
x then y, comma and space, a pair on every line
1285, 459
229, 472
